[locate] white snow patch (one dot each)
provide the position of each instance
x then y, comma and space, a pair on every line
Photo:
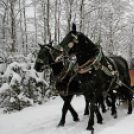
44, 119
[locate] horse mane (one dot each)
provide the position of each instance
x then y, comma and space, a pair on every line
86, 40
87, 45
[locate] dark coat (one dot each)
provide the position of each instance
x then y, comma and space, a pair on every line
132, 64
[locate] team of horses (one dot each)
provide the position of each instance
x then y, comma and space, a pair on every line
92, 74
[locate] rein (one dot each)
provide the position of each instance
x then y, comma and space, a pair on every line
45, 65
64, 72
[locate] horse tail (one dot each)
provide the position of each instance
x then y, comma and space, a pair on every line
127, 78
127, 81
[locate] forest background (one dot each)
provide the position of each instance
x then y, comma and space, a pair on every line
25, 23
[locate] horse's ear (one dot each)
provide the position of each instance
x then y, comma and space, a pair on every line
41, 46
51, 43
74, 27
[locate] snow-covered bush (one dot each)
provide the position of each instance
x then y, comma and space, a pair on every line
21, 86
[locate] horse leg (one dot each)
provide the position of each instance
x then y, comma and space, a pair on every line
98, 115
130, 109
67, 106
110, 101
129, 95
114, 111
128, 92
103, 107
86, 111
91, 117
94, 108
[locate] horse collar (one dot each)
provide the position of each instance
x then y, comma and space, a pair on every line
90, 64
68, 66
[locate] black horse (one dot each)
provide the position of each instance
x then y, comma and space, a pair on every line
105, 73
45, 58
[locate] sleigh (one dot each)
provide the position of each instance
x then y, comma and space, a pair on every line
131, 72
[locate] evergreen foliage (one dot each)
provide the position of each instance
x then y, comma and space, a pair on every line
21, 88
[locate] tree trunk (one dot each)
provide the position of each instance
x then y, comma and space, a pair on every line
59, 14
56, 23
35, 22
81, 16
25, 29
48, 17
13, 28
44, 17
21, 29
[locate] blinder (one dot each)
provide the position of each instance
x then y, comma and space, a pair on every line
75, 40
39, 61
66, 48
45, 60
69, 46
75, 36
59, 48
42, 61
48, 48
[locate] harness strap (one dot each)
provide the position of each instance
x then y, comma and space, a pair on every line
83, 70
58, 47
111, 83
40, 60
89, 61
115, 72
107, 71
89, 64
63, 73
68, 67
71, 66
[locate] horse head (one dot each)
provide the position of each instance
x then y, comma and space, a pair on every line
70, 40
77, 43
44, 57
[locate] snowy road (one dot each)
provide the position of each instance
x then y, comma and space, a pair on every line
43, 119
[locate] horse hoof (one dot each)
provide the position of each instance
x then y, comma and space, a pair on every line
77, 120
60, 124
100, 122
86, 113
104, 111
129, 113
115, 116
91, 129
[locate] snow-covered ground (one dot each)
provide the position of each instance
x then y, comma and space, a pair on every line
43, 119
